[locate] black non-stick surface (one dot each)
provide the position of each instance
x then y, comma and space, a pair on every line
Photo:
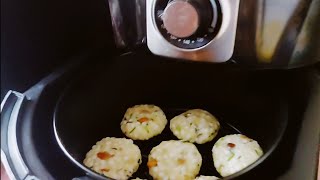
93, 105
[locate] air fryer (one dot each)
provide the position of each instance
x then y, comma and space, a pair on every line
253, 64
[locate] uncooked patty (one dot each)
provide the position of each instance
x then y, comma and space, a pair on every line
174, 160
142, 122
195, 125
233, 153
117, 158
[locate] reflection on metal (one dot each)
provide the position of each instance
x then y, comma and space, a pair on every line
278, 34
270, 33
272, 16
308, 43
128, 22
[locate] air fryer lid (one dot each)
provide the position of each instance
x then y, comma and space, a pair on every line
92, 107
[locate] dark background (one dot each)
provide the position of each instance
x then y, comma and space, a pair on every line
37, 36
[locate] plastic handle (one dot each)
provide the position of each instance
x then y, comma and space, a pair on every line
10, 155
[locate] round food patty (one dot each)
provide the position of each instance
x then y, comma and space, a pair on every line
117, 158
195, 125
142, 122
233, 153
174, 160
206, 178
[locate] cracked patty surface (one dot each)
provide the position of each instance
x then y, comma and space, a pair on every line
174, 160
233, 153
142, 122
196, 126
117, 158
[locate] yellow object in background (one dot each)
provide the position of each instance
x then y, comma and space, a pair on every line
270, 26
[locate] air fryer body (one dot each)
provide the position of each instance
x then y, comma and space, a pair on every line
47, 45
257, 34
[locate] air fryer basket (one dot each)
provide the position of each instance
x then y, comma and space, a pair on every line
244, 101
